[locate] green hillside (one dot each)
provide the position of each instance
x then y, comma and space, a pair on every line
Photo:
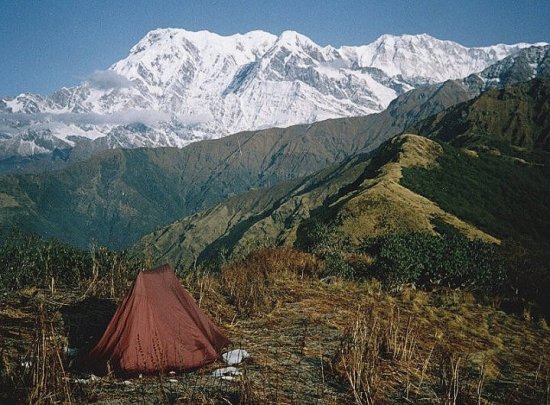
499, 178
362, 197
513, 119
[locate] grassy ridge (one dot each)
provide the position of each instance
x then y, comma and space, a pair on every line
498, 194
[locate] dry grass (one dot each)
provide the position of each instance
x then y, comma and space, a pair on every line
8, 201
38, 375
249, 283
314, 342
49, 381
111, 273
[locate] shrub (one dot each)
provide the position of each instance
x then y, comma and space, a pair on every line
528, 273
337, 265
430, 260
321, 238
26, 260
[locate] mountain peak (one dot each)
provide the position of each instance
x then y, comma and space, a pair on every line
294, 37
406, 38
201, 39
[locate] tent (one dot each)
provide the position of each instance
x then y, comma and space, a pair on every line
158, 327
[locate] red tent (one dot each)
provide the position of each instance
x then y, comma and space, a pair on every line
158, 328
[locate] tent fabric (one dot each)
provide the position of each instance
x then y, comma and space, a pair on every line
158, 327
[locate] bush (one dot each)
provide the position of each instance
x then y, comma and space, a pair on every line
528, 271
337, 265
428, 260
27, 260
321, 238
330, 244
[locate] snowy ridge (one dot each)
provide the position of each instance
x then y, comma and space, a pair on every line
178, 86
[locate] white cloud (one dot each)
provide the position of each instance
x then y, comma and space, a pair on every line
125, 117
108, 79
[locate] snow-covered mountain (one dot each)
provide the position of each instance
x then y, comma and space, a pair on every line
177, 86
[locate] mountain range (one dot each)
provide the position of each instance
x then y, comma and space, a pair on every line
115, 197
176, 87
118, 196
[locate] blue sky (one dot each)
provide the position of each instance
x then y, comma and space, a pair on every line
47, 44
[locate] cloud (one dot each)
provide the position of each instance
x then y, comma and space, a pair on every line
147, 117
108, 79
125, 117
